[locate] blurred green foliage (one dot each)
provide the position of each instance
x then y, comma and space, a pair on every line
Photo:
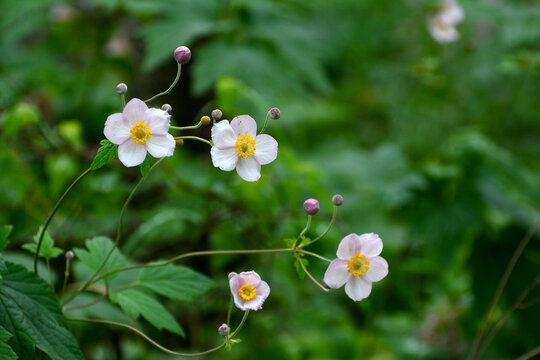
435, 148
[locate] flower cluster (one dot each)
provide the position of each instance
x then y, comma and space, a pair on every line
442, 23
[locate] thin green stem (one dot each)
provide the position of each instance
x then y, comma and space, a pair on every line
265, 123
194, 138
48, 262
309, 274
332, 221
193, 127
147, 338
530, 354
128, 286
66, 275
314, 254
303, 232
246, 313
118, 234
51, 215
123, 100
170, 87
230, 310
96, 301
500, 288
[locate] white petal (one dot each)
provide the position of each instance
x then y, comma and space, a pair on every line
337, 274
135, 111
161, 145
117, 129
251, 278
370, 245
348, 247
225, 159
378, 269
263, 290
248, 169
131, 153
244, 124
441, 32
158, 120
266, 148
239, 302
223, 135
357, 288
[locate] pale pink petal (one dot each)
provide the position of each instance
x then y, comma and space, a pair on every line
236, 283
348, 247
370, 245
251, 278
223, 135
357, 288
337, 274
239, 302
117, 129
266, 148
378, 269
248, 169
158, 120
135, 111
161, 145
244, 124
225, 159
263, 290
131, 153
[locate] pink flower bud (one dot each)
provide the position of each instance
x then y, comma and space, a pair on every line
275, 113
182, 54
223, 330
311, 206
337, 200
121, 89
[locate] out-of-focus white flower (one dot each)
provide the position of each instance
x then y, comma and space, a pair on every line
442, 23
138, 130
248, 290
358, 265
237, 146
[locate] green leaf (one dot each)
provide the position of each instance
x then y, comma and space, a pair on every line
6, 352
47, 249
145, 166
98, 248
135, 303
30, 312
175, 282
106, 153
5, 230
298, 267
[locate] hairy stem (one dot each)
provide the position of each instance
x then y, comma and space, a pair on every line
332, 221
194, 138
170, 87
309, 274
265, 123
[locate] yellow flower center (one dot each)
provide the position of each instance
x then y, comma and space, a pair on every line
245, 146
358, 265
140, 133
247, 292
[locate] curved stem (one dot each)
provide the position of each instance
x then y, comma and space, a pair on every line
265, 123
147, 338
187, 127
530, 354
118, 234
500, 288
230, 310
123, 100
170, 87
96, 301
51, 215
314, 255
66, 275
309, 274
246, 313
194, 138
332, 221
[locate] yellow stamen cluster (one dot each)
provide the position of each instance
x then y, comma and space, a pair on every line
358, 265
247, 292
140, 133
245, 146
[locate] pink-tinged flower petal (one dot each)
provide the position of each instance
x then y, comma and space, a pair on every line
117, 129
266, 148
223, 135
337, 274
161, 145
244, 124
131, 153
370, 245
378, 269
248, 169
158, 120
263, 290
225, 159
251, 278
135, 111
236, 283
357, 288
348, 247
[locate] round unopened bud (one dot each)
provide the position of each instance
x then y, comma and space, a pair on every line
275, 113
179, 142
69, 255
311, 206
166, 107
121, 89
216, 114
205, 120
182, 54
232, 274
337, 200
223, 330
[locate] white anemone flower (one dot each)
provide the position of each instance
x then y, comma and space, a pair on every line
237, 146
138, 130
248, 290
451, 13
441, 25
358, 265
